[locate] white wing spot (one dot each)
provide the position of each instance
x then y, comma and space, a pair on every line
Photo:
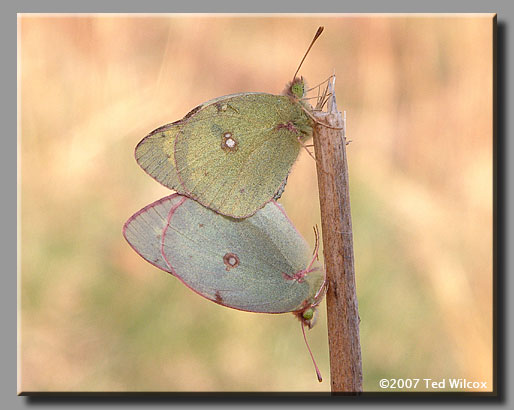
228, 142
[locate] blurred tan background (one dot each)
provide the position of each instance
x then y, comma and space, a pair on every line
418, 95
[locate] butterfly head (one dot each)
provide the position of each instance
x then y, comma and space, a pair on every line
309, 317
296, 88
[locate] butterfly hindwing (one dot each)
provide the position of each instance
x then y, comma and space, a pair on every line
155, 154
244, 264
143, 231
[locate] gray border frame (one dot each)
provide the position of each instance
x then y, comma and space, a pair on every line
503, 189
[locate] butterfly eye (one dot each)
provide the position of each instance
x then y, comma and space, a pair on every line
309, 317
308, 314
298, 88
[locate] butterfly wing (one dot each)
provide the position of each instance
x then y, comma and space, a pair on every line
143, 231
244, 264
155, 152
233, 156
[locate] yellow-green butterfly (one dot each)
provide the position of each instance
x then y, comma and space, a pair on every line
233, 153
258, 264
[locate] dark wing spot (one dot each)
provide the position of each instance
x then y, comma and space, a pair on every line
231, 260
233, 108
286, 276
288, 126
162, 129
223, 106
192, 112
281, 189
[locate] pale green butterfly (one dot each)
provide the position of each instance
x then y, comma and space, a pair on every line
233, 153
258, 264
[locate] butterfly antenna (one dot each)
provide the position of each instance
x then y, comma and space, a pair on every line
318, 373
318, 33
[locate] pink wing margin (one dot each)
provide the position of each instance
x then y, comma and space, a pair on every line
137, 215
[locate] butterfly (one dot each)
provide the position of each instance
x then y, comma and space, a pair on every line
258, 264
232, 154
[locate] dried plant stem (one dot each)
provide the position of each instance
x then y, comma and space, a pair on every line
342, 309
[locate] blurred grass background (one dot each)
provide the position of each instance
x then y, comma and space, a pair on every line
418, 95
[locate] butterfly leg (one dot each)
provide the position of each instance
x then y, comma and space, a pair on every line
319, 122
323, 82
306, 148
297, 277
